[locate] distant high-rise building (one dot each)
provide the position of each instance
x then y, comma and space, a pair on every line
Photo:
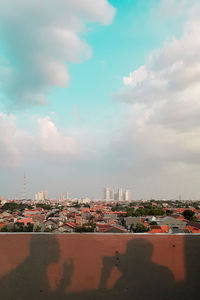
67, 196
111, 194
108, 194
62, 197
120, 194
41, 196
127, 195
45, 194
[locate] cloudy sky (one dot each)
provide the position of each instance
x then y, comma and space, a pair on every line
98, 93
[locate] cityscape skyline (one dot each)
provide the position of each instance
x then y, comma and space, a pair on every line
109, 194
98, 96
26, 186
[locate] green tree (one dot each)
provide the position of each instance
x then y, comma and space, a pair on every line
189, 214
44, 206
48, 230
129, 211
117, 207
149, 210
168, 212
28, 227
140, 228
12, 206
195, 205
37, 229
89, 227
153, 223
4, 229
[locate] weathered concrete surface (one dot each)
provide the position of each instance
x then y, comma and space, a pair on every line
97, 266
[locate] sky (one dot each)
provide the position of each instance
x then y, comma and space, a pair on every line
97, 93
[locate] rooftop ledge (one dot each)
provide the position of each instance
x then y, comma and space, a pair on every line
99, 266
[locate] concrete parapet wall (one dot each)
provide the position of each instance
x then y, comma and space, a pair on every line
98, 266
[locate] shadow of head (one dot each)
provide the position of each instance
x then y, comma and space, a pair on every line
45, 248
138, 250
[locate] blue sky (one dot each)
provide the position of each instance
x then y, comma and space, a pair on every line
88, 123
117, 49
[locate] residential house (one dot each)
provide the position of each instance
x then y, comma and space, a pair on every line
172, 222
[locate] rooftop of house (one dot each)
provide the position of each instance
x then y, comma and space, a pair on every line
159, 229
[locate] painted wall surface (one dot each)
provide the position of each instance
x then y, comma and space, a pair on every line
98, 266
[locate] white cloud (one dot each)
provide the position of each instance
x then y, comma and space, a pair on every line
38, 39
136, 77
9, 153
172, 8
163, 123
48, 143
51, 141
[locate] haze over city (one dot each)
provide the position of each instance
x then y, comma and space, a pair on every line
100, 93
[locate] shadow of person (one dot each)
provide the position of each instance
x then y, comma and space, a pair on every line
141, 278
190, 288
29, 280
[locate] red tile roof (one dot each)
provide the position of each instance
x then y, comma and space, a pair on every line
70, 224
192, 229
159, 229
25, 221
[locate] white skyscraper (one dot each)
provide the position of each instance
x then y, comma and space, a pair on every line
128, 195
41, 196
120, 194
45, 194
108, 194
62, 197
